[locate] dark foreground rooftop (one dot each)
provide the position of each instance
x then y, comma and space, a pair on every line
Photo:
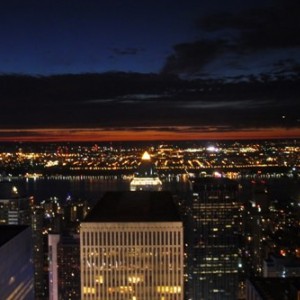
8, 232
277, 288
138, 206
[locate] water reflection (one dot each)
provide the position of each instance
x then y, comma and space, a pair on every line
92, 188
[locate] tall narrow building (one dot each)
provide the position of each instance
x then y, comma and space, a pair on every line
131, 247
215, 245
64, 266
146, 177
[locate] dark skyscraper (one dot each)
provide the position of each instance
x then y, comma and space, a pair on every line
68, 258
215, 244
39, 253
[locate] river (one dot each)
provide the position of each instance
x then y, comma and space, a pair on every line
92, 188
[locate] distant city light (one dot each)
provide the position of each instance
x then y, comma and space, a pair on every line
146, 156
212, 149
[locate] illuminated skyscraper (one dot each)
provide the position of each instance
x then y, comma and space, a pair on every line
131, 247
215, 246
146, 177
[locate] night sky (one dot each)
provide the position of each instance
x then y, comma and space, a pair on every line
149, 69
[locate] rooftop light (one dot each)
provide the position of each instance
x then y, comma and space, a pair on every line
146, 156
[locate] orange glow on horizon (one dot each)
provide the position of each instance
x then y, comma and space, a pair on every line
132, 134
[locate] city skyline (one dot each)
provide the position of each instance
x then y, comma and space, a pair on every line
125, 70
238, 200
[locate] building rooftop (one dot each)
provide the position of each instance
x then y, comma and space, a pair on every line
8, 232
138, 206
276, 288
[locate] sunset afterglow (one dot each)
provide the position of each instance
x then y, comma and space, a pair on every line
142, 134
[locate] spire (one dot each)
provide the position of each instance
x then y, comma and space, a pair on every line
146, 156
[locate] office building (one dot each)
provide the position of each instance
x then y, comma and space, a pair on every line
53, 240
16, 268
215, 261
68, 256
64, 266
40, 245
14, 208
146, 177
131, 247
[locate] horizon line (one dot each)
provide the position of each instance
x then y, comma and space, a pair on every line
140, 134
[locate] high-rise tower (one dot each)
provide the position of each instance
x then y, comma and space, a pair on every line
131, 247
215, 245
64, 266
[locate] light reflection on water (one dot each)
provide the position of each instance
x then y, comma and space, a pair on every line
92, 188
89, 188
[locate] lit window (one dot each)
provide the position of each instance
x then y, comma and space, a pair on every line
99, 279
135, 279
89, 290
169, 289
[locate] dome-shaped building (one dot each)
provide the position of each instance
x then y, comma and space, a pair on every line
146, 177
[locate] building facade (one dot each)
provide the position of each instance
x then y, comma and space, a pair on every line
215, 243
64, 266
68, 253
16, 268
132, 248
53, 240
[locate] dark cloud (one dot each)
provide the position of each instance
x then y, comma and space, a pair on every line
191, 57
275, 26
104, 101
180, 129
9, 133
236, 39
282, 66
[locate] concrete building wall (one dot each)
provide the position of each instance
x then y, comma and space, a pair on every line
136, 261
53, 240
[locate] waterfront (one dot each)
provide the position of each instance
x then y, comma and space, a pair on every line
272, 228
92, 188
